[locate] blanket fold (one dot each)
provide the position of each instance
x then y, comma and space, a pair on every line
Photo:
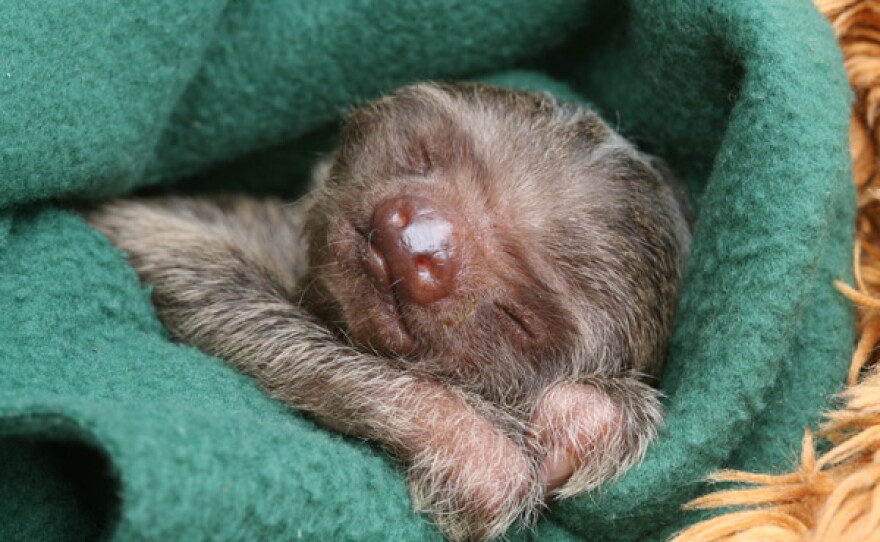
108, 429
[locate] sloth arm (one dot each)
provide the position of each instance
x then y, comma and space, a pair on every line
214, 287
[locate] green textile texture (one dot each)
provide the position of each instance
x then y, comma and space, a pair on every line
109, 430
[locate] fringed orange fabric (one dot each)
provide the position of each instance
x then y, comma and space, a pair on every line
835, 496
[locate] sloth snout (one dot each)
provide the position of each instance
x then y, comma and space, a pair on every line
415, 248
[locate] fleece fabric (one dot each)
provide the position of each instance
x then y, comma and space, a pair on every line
109, 430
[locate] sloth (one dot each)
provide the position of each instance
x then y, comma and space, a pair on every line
482, 281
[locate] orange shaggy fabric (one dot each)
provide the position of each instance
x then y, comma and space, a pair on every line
835, 496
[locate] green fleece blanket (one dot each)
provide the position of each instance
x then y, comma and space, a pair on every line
108, 429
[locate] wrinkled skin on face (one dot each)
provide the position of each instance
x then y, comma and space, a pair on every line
481, 281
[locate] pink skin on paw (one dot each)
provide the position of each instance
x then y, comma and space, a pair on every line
484, 473
487, 469
556, 469
571, 422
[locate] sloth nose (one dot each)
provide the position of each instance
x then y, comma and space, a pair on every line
414, 248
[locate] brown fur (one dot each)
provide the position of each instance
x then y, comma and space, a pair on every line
575, 244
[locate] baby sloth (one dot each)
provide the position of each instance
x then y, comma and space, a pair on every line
481, 281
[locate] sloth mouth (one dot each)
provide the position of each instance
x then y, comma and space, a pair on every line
390, 330
401, 340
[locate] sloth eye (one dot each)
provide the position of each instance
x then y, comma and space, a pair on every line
509, 315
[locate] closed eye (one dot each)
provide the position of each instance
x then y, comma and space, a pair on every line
511, 316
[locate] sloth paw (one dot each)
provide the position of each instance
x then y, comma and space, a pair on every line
473, 480
586, 434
